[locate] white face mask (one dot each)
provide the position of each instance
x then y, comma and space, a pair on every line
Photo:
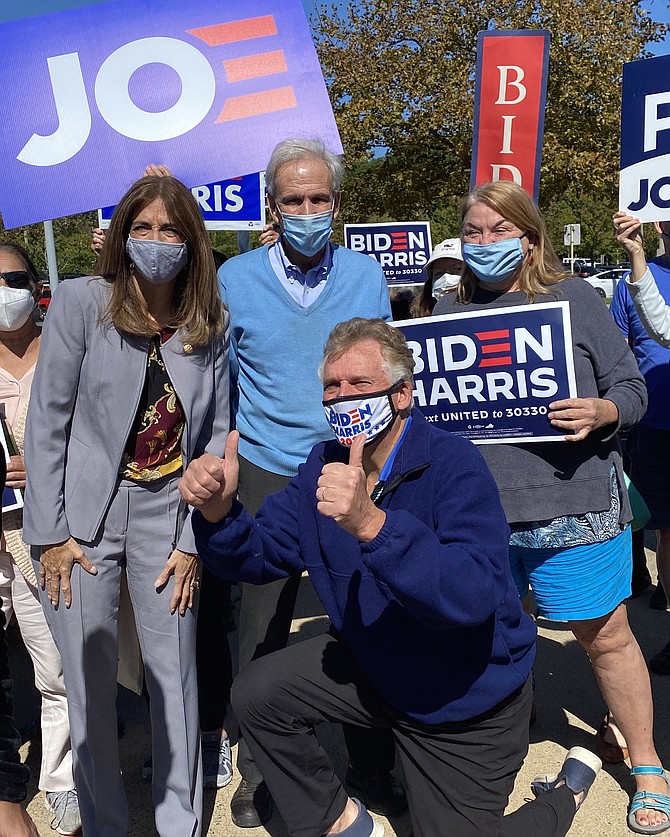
16, 306
352, 415
442, 282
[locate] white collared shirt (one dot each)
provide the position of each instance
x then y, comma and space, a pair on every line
304, 288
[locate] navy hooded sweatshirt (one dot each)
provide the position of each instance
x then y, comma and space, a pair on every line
428, 607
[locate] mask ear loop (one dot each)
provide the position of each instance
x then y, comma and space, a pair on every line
529, 254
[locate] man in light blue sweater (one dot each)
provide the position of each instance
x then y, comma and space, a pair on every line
284, 300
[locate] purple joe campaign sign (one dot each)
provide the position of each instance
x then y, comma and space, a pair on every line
491, 375
207, 88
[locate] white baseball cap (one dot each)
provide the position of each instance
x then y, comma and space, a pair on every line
450, 248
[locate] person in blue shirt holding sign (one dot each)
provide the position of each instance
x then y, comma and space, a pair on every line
566, 501
642, 305
649, 442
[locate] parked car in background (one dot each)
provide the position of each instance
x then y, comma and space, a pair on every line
45, 299
583, 270
606, 281
43, 304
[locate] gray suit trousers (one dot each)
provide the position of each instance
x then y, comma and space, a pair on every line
137, 534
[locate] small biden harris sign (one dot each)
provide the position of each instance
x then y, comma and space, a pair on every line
491, 375
402, 249
644, 185
235, 204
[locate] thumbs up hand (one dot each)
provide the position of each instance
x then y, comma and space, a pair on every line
210, 483
342, 494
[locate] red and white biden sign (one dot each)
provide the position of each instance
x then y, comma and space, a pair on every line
510, 95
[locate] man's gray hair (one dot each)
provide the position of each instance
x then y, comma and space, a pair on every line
294, 150
397, 359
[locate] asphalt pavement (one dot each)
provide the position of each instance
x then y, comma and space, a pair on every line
569, 710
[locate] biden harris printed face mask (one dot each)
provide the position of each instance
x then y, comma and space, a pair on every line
352, 415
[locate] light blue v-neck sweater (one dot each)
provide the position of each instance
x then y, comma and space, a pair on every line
276, 347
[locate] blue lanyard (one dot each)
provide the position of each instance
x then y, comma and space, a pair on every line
386, 469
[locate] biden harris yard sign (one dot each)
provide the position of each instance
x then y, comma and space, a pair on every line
491, 375
207, 88
644, 184
401, 248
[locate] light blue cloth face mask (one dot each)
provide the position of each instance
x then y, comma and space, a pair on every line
493, 263
308, 233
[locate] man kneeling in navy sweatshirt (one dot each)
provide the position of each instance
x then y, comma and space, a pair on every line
400, 528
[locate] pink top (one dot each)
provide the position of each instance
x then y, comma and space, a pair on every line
14, 394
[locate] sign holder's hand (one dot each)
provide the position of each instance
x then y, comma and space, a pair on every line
582, 415
342, 494
16, 472
628, 231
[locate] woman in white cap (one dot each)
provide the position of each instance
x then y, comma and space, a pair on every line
444, 272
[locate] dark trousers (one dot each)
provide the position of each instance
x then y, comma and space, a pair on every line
266, 613
459, 775
14, 775
212, 652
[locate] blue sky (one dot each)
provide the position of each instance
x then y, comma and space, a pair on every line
13, 9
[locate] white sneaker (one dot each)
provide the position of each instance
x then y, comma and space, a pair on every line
64, 808
217, 760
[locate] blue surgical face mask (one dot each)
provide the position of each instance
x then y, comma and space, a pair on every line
493, 263
307, 233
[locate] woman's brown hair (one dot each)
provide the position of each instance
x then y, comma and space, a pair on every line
22, 253
200, 311
539, 271
423, 302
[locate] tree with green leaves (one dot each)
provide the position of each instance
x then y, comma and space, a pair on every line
401, 75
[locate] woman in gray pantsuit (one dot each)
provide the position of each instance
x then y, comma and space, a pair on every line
131, 384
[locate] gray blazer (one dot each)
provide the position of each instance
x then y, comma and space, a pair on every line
83, 402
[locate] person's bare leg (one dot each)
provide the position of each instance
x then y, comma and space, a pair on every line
624, 682
346, 818
15, 821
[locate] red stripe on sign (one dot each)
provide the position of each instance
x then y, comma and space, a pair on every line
255, 104
496, 347
255, 66
492, 335
236, 30
496, 361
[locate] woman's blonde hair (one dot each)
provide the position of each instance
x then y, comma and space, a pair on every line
538, 271
199, 308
